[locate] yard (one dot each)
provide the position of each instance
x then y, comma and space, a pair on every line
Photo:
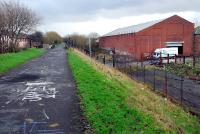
113, 103
11, 60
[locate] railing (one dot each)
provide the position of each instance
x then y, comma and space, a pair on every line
177, 88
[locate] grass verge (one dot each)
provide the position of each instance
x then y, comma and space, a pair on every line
113, 103
11, 60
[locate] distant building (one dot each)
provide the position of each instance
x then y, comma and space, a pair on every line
36, 44
23, 41
145, 38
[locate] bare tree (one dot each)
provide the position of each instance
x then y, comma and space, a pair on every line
77, 40
196, 22
2, 28
94, 35
16, 20
82, 41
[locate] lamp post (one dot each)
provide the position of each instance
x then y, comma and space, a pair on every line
90, 48
91, 37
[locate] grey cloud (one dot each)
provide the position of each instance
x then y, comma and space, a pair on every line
83, 10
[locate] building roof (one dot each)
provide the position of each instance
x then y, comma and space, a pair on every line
132, 29
197, 30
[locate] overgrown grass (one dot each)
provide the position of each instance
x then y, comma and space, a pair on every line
115, 104
183, 69
11, 60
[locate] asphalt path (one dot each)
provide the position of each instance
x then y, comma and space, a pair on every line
40, 97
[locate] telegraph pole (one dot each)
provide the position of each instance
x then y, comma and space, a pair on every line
90, 49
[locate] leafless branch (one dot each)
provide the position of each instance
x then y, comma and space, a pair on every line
15, 20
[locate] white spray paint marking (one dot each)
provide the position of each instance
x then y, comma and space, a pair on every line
39, 83
38, 90
45, 114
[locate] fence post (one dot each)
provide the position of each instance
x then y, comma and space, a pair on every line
181, 90
116, 62
142, 64
167, 58
183, 59
194, 61
125, 64
160, 58
97, 58
104, 59
175, 59
113, 57
154, 79
137, 70
165, 89
144, 73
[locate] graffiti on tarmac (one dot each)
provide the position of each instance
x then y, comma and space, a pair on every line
38, 127
37, 91
8, 121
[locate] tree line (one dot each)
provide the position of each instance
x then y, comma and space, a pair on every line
16, 20
82, 41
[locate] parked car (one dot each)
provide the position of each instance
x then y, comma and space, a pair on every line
52, 46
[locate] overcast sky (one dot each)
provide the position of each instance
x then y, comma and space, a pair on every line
102, 16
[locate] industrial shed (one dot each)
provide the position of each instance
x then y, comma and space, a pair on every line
142, 39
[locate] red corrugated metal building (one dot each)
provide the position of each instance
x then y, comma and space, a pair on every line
145, 38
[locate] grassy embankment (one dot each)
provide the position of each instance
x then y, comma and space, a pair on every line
113, 103
11, 60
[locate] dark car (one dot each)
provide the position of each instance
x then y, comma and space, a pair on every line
52, 46
155, 62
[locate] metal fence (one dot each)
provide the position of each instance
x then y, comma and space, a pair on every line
177, 59
180, 89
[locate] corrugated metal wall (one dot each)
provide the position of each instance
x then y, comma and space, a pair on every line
173, 29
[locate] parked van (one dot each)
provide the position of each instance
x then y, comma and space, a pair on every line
163, 52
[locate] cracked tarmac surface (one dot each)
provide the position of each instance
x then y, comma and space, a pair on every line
40, 97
